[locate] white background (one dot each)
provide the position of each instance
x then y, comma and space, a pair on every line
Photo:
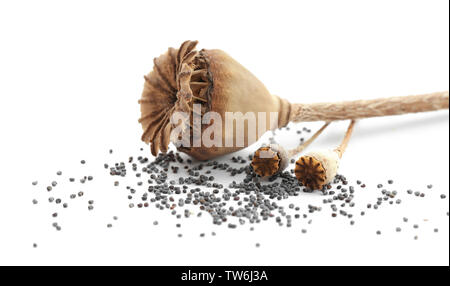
71, 73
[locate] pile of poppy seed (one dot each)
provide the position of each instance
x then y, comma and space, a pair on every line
181, 188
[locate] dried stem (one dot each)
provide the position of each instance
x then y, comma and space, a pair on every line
300, 148
341, 149
332, 111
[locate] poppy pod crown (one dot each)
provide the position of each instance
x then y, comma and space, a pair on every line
217, 83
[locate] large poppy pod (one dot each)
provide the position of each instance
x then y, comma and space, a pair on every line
212, 79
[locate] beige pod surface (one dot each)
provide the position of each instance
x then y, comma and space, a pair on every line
237, 91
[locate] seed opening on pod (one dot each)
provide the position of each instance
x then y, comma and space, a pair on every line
310, 172
268, 160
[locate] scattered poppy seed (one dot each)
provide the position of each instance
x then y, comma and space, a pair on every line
249, 200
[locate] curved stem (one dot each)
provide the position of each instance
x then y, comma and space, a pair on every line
300, 148
341, 149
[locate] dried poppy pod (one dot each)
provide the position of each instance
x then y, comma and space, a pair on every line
270, 160
318, 168
211, 78
183, 79
274, 159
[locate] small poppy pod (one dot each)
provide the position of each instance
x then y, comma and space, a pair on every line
273, 159
270, 160
184, 77
317, 168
